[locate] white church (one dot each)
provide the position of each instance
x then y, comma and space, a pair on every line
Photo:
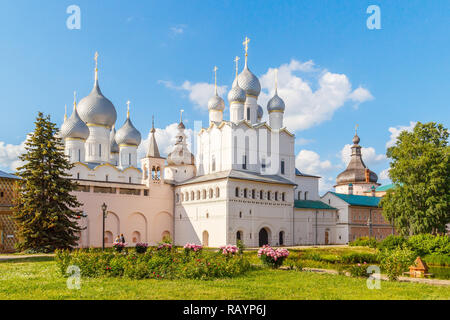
241, 184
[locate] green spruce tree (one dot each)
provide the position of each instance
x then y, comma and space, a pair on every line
420, 171
45, 210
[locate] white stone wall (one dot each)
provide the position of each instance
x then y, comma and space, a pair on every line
97, 146
105, 172
342, 228
312, 224
308, 185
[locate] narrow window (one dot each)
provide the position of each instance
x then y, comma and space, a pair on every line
79, 155
253, 194
100, 150
213, 163
129, 159
263, 164
245, 193
268, 195
282, 166
276, 196
248, 114
129, 179
78, 175
261, 194
306, 195
282, 197
244, 162
106, 178
237, 192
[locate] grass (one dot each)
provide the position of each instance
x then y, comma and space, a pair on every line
38, 278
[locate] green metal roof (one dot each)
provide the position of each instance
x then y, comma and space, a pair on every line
311, 204
385, 187
357, 200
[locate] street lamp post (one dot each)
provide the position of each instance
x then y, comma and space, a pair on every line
104, 207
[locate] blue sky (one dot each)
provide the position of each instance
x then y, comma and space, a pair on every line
154, 53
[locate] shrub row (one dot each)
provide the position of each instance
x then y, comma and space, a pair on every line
156, 264
423, 244
348, 258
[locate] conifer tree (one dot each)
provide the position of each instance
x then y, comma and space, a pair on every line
45, 210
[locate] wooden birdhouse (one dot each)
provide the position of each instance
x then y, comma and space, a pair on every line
419, 269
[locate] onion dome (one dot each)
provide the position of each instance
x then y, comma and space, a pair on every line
275, 104
96, 108
128, 134
112, 141
216, 103
356, 171
74, 127
236, 94
246, 79
259, 112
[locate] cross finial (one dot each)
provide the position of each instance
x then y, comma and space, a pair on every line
276, 81
356, 129
181, 115
153, 124
65, 112
245, 43
96, 65
74, 100
236, 61
215, 79
128, 109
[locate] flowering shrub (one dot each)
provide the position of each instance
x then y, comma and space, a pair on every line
229, 250
188, 247
164, 246
397, 261
165, 263
118, 246
141, 247
271, 257
359, 270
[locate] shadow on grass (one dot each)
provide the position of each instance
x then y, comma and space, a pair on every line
28, 259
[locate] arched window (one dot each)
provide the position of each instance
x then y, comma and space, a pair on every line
306, 195
245, 193
211, 193
198, 195
253, 194
192, 195
182, 197
276, 195
240, 214
204, 194
261, 194
268, 195
281, 238
283, 197
239, 236
299, 195
217, 192
236, 192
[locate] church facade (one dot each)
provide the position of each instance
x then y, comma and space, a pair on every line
241, 184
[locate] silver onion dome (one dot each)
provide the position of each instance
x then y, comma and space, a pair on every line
259, 112
97, 109
275, 104
236, 94
248, 82
216, 103
74, 127
128, 134
112, 141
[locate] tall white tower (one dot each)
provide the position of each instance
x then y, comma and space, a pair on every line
275, 108
236, 98
153, 164
216, 105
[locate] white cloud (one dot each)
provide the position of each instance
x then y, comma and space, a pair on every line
178, 29
309, 162
165, 138
303, 141
384, 175
306, 107
395, 132
9, 155
369, 155
198, 93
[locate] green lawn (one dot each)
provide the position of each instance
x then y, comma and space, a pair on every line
38, 278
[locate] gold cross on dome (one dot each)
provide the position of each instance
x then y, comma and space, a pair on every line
74, 99
96, 59
236, 60
181, 115
356, 129
245, 43
215, 78
128, 108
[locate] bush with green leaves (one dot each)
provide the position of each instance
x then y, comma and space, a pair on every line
356, 257
395, 262
364, 242
359, 270
424, 244
154, 263
391, 242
